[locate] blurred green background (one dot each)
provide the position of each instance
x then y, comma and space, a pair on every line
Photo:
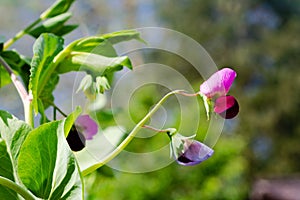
257, 38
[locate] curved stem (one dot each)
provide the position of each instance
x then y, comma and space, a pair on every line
131, 135
169, 131
155, 129
20, 34
182, 92
15, 187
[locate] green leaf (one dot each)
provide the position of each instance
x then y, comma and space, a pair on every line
124, 35
42, 142
46, 47
6, 170
70, 120
46, 95
65, 29
59, 7
18, 63
46, 165
54, 25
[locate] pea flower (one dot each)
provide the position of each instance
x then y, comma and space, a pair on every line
83, 129
187, 151
216, 88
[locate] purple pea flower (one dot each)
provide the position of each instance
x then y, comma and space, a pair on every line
189, 152
84, 129
216, 88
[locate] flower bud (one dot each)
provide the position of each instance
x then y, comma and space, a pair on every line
189, 152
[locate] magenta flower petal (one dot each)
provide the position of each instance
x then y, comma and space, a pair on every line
194, 153
87, 126
219, 83
226, 106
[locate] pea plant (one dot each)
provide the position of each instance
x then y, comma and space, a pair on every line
38, 160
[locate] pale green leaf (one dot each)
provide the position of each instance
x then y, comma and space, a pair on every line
98, 65
13, 132
46, 165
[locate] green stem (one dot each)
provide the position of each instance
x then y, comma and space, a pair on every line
26, 98
20, 34
15, 187
54, 113
131, 135
28, 111
59, 110
56, 108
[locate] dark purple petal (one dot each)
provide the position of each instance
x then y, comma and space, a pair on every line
219, 83
87, 126
226, 106
76, 140
195, 152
